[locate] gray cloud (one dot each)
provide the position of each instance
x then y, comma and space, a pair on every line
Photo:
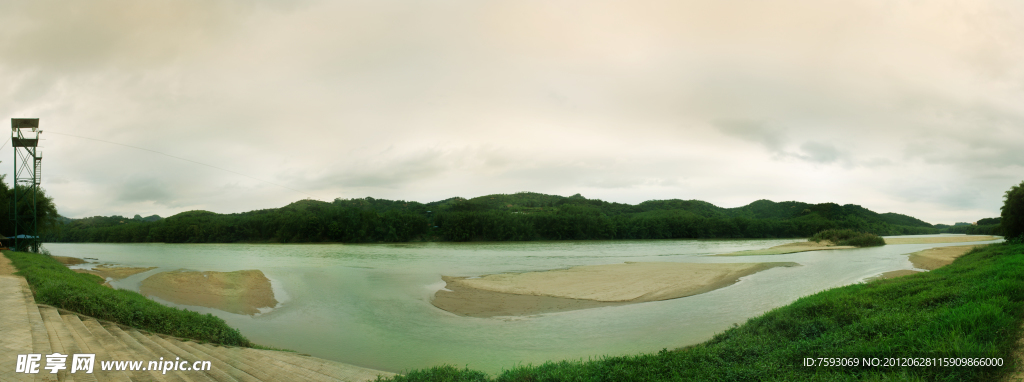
143, 189
621, 101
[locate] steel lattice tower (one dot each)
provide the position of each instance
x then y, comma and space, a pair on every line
27, 174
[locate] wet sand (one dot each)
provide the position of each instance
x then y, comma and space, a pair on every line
484, 303
800, 246
941, 239
933, 258
512, 294
241, 292
930, 259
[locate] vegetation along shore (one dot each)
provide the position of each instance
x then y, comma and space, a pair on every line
54, 284
499, 217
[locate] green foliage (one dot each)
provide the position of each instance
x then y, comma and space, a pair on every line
54, 284
990, 229
848, 237
1012, 221
499, 217
443, 373
971, 308
989, 221
351, 221
46, 211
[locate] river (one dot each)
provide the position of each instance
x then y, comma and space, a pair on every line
369, 305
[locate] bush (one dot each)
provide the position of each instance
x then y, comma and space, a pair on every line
54, 284
1012, 220
848, 237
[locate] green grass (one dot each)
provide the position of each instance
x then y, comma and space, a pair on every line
848, 237
971, 308
54, 284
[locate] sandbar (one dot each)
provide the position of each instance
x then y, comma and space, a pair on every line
587, 286
930, 259
933, 258
939, 239
241, 292
800, 246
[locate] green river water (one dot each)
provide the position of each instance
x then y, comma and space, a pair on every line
369, 305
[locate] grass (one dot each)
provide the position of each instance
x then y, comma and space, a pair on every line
973, 307
848, 237
54, 284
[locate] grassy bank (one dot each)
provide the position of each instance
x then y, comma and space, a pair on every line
849, 237
971, 308
54, 284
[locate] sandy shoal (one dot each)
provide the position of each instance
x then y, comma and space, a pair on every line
800, 246
241, 292
587, 286
933, 258
940, 239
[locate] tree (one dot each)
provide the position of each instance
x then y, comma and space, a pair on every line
47, 217
1013, 212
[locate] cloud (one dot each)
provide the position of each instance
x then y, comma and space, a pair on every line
791, 100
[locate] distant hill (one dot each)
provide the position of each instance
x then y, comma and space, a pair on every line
498, 217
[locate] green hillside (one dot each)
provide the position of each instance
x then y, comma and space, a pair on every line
498, 217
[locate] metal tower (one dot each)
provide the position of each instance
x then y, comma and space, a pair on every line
27, 173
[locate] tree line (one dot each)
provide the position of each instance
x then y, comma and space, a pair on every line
500, 217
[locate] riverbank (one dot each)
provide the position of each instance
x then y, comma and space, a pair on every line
54, 284
802, 246
923, 315
587, 286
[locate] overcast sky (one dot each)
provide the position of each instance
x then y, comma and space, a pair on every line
915, 107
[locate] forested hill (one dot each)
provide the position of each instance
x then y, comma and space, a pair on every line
500, 217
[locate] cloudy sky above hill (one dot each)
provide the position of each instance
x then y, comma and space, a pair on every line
898, 106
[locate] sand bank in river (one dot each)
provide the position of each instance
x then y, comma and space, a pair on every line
800, 246
933, 258
242, 292
930, 259
939, 239
804, 246
587, 287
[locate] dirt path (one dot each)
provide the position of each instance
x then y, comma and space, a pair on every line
6, 268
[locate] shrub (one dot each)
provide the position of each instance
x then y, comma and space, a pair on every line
848, 237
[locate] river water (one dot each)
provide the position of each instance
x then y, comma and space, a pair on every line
369, 305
